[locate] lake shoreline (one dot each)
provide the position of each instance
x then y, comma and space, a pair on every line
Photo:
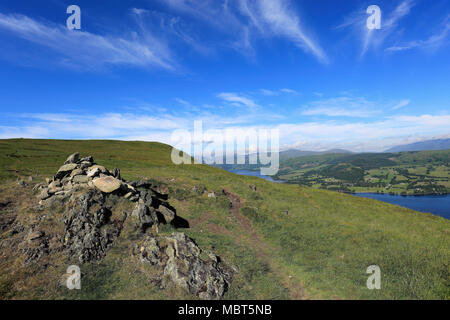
276, 180
400, 195
436, 204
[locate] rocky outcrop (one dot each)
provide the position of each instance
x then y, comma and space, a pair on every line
88, 229
180, 260
89, 194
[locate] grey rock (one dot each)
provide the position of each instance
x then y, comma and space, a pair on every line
144, 216
85, 164
128, 195
107, 184
88, 230
168, 213
38, 186
34, 235
179, 259
87, 159
93, 172
54, 187
116, 173
73, 158
44, 195
81, 179
101, 168
76, 172
65, 170
134, 198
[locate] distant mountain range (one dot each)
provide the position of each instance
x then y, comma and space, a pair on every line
436, 144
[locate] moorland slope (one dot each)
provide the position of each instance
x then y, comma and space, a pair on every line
281, 241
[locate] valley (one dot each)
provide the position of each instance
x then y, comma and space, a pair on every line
404, 173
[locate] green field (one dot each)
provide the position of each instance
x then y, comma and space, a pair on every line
406, 173
287, 241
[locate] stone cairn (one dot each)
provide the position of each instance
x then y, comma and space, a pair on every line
79, 173
89, 233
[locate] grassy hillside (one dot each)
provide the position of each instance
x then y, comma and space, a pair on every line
424, 172
287, 241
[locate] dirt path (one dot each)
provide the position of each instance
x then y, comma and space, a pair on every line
252, 237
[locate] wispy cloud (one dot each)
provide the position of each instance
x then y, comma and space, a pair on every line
401, 104
433, 42
237, 100
81, 49
341, 107
267, 92
251, 19
375, 38
138, 11
183, 102
286, 90
278, 18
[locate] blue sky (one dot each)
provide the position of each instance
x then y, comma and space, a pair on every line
137, 70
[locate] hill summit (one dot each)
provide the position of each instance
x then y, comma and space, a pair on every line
98, 207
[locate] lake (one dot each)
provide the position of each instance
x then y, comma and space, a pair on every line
256, 173
435, 204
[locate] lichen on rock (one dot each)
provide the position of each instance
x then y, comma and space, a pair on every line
180, 260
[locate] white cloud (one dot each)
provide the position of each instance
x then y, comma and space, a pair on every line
181, 101
278, 18
266, 92
237, 100
82, 49
266, 18
364, 136
138, 11
374, 135
376, 37
286, 90
401, 104
341, 107
433, 42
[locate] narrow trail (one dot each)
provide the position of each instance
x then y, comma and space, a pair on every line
252, 237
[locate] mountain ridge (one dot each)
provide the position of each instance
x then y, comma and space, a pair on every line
434, 144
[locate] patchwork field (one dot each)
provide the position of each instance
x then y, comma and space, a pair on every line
406, 173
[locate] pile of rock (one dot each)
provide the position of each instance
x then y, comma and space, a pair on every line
90, 193
84, 171
151, 208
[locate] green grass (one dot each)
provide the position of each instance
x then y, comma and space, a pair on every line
321, 247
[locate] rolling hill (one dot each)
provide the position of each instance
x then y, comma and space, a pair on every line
283, 241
